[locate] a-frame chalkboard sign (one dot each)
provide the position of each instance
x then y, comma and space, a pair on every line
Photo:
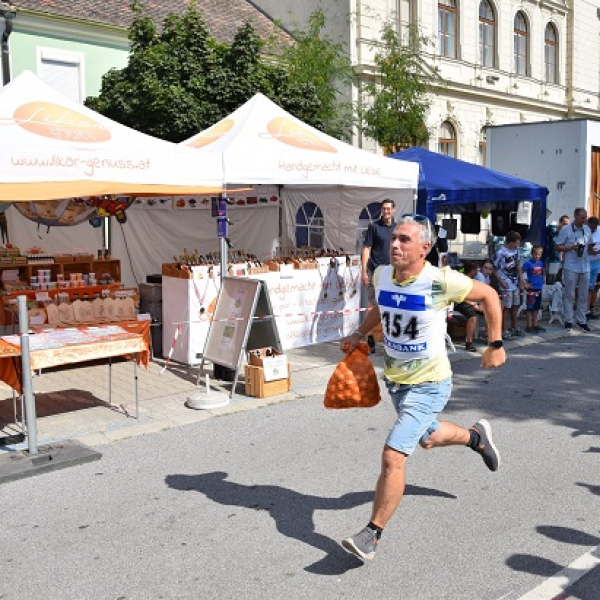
243, 320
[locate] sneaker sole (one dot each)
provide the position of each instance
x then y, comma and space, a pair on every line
349, 545
488, 431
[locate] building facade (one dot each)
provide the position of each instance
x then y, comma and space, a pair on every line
499, 62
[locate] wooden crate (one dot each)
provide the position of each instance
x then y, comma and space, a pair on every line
259, 388
256, 360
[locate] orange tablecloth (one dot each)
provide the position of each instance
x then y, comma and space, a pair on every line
134, 342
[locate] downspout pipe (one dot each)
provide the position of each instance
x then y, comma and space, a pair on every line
8, 12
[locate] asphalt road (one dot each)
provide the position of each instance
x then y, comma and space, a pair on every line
252, 505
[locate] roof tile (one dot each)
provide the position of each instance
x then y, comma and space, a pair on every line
223, 17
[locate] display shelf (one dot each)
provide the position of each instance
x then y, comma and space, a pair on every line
112, 266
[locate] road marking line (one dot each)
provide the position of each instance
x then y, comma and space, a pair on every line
558, 583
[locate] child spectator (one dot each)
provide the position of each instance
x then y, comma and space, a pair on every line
486, 274
534, 269
594, 254
510, 277
468, 309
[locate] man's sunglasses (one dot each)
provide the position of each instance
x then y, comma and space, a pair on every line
417, 218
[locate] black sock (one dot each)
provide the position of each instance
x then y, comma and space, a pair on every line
378, 530
474, 439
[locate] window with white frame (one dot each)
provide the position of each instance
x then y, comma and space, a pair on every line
551, 54
447, 139
447, 28
406, 17
521, 44
62, 70
310, 226
487, 34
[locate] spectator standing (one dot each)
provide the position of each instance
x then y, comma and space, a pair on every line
574, 240
564, 220
594, 252
486, 274
376, 251
534, 270
440, 248
510, 278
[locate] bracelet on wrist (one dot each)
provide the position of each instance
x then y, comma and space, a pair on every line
362, 336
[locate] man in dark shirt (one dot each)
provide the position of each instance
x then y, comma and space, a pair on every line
376, 250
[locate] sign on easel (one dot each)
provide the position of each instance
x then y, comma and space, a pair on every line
243, 320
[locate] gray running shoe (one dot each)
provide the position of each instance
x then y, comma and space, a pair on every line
486, 447
363, 544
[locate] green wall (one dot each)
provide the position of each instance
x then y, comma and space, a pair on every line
99, 57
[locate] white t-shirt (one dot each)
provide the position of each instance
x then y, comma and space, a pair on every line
413, 318
483, 278
595, 237
507, 267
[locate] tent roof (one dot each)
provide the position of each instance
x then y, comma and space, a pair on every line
52, 147
260, 143
447, 180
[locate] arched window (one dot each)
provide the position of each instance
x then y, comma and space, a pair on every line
310, 226
447, 27
521, 39
447, 139
551, 54
368, 214
487, 34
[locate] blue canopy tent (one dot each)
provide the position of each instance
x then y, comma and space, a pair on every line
447, 184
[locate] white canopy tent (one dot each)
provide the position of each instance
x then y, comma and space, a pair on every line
260, 143
52, 147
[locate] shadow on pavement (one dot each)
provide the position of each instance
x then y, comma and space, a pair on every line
292, 511
542, 382
584, 586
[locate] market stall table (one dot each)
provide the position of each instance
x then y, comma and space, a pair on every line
60, 347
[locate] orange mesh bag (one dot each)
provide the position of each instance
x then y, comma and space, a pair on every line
354, 382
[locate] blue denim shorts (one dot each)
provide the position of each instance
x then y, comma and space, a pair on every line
418, 407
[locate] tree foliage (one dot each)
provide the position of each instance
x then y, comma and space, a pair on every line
317, 67
395, 118
181, 80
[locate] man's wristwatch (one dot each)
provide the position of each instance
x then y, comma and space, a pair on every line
363, 337
496, 344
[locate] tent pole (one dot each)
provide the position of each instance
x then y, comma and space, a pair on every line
223, 253
26, 383
107, 234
